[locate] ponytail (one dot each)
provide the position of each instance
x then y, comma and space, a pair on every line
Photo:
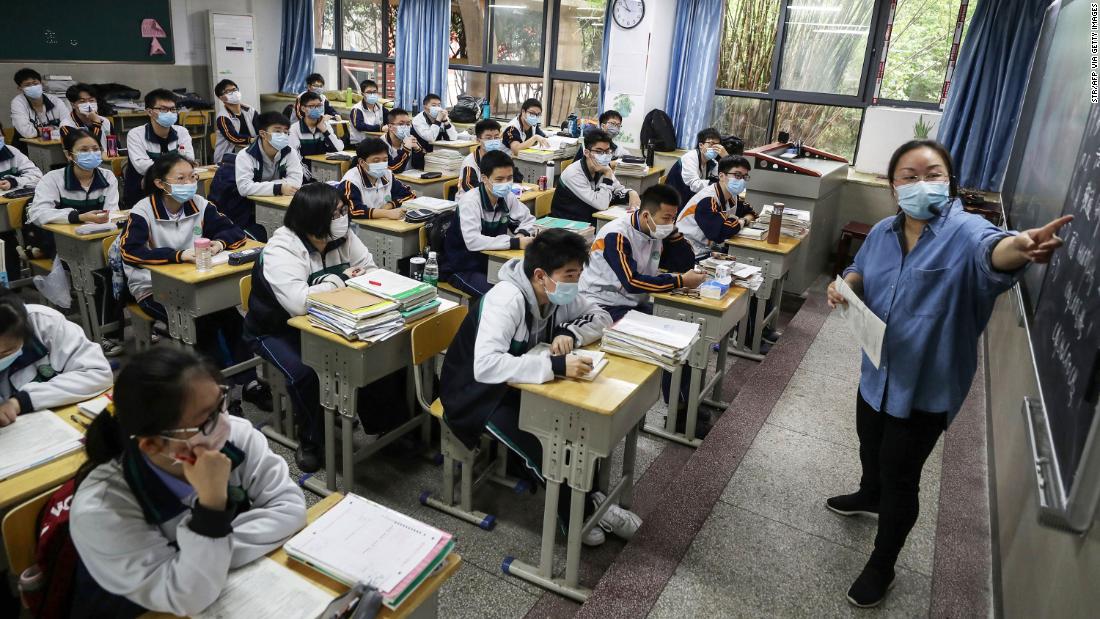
103, 442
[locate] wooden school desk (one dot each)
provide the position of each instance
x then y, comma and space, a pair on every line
611, 214
776, 261
423, 603
497, 258
587, 420
532, 170
329, 170
45, 153
430, 187
270, 211
667, 159
343, 367
389, 240
41, 478
188, 295
84, 255
461, 146
641, 183
716, 319
537, 200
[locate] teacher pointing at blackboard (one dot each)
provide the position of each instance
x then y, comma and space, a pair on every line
932, 274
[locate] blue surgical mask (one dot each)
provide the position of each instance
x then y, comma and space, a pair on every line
372, 98
5, 362
564, 292
735, 186
34, 92
315, 113
533, 119
612, 130
279, 141
604, 159
502, 189
491, 145
434, 111
318, 89
377, 169
167, 119
918, 199
183, 191
712, 154
89, 160
402, 131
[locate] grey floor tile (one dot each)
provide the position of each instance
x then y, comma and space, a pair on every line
786, 476
745, 565
820, 406
475, 594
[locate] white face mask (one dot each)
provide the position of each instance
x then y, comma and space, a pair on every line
88, 108
233, 98
338, 229
661, 231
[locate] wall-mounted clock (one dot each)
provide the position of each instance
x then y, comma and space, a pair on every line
628, 13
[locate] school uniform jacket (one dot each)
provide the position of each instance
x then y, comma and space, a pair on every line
428, 131
256, 175
17, 169
691, 174
296, 108
313, 142
489, 350
99, 130
709, 218
140, 541
26, 120
367, 194
59, 197
235, 131
143, 146
580, 193
401, 159
484, 222
513, 132
58, 365
624, 266
617, 151
290, 269
469, 176
153, 237
366, 118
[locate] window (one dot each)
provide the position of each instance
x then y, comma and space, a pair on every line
580, 35
352, 72
508, 92
580, 97
825, 43
360, 33
920, 42
461, 82
516, 27
829, 128
324, 24
747, 45
361, 26
467, 32
746, 118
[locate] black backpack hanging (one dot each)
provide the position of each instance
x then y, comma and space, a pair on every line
657, 129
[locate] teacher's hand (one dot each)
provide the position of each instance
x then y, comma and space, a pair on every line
833, 296
1039, 243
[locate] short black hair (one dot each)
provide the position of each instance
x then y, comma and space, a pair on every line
161, 167
314, 77
25, 74
941, 150
729, 162
267, 119
158, 94
710, 133
596, 136
13, 315
554, 249
431, 95
493, 160
609, 114
308, 97
395, 112
530, 103
219, 88
487, 124
363, 84
72, 136
653, 197
370, 146
311, 208
72, 93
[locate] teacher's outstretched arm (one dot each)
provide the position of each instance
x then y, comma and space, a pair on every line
1034, 245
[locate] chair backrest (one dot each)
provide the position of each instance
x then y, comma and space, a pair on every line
246, 291
21, 532
662, 179
107, 242
450, 188
213, 141
565, 163
9, 135
543, 203
431, 336
15, 212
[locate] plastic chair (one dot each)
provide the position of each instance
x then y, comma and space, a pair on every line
16, 208
448, 291
428, 338
197, 118
140, 321
543, 203
450, 189
283, 431
21, 531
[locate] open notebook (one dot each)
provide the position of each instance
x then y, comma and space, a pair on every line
34, 439
599, 362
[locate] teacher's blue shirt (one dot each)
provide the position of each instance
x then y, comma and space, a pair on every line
935, 302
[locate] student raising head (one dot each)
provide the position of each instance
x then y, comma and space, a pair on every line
402, 146
693, 171
85, 114
313, 135
370, 187
80, 192
45, 360
488, 140
175, 493
589, 185
236, 122
611, 122
16, 170
718, 212
160, 136
32, 108
315, 83
523, 131
368, 114
433, 124
313, 252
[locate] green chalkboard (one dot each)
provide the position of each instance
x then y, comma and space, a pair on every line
77, 30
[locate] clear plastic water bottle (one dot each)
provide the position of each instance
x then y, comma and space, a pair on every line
431, 270
203, 254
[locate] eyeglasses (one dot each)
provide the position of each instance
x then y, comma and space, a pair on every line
739, 176
616, 125
314, 107
711, 143
163, 108
913, 178
182, 178
207, 426
601, 151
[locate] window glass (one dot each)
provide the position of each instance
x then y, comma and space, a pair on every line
825, 127
468, 32
517, 32
580, 97
354, 71
744, 117
391, 80
460, 82
920, 43
508, 92
391, 31
580, 35
361, 26
747, 45
824, 45
324, 24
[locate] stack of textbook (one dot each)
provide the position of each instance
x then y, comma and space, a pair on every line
743, 275
560, 148
582, 228
414, 299
631, 170
796, 222
359, 541
354, 314
652, 339
445, 160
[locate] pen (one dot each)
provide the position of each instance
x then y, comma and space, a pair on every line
373, 283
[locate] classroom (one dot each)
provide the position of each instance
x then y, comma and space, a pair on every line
550, 308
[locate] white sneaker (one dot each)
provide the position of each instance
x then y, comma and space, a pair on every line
621, 522
594, 537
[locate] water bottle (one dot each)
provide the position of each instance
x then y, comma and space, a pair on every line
202, 254
485, 110
574, 129
649, 154
431, 270
775, 224
349, 99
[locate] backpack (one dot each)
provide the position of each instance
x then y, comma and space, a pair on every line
657, 127
435, 230
467, 109
47, 586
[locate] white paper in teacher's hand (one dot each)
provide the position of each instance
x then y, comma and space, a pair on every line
266, 589
868, 329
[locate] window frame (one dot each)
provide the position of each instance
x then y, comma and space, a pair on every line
338, 42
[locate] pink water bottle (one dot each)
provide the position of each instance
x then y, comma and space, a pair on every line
202, 254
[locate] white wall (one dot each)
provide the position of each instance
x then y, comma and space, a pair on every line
189, 33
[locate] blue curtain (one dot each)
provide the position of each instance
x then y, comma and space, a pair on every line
987, 90
694, 67
423, 50
296, 51
607, 22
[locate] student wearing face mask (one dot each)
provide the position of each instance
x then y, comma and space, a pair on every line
368, 114
404, 150
489, 217
589, 185
524, 131
370, 186
718, 212
32, 108
488, 138
236, 122
695, 169
45, 360
16, 170
536, 302
433, 124
268, 167
85, 114
159, 137
933, 272
315, 84
611, 122
175, 493
313, 252
313, 135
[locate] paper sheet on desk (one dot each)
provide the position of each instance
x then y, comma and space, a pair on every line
266, 589
868, 328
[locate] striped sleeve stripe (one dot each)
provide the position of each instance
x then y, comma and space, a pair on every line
229, 133
132, 259
630, 274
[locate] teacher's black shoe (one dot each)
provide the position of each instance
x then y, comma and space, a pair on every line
308, 458
855, 504
871, 587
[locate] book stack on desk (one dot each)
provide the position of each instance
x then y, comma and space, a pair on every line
560, 148
651, 339
796, 222
436, 205
414, 299
753, 232
582, 228
744, 275
633, 170
356, 315
360, 541
445, 160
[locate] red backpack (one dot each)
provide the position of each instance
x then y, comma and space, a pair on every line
47, 586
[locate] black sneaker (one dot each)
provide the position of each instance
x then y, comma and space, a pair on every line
871, 587
769, 335
309, 459
855, 504
258, 394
